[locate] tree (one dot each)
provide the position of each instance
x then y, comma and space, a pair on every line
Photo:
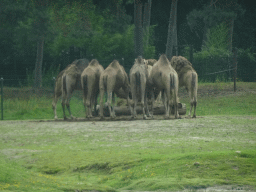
39, 27
214, 13
146, 21
172, 30
138, 35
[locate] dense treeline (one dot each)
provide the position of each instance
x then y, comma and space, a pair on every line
67, 30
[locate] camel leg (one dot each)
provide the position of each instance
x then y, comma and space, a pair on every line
191, 103
195, 103
110, 105
69, 93
63, 104
84, 101
133, 111
113, 104
146, 104
175, 101
152, 104
143, 88
102, 92
54, 103
89, 104
167, 103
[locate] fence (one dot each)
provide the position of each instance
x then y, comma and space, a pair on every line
226, 66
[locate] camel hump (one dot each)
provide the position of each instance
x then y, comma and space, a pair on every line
94, 62
81, 63
163, 60
140, 60
115, 64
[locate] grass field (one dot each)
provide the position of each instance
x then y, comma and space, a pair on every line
217, 149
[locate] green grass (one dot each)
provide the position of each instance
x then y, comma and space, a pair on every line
215, 150
139, 155
213, 101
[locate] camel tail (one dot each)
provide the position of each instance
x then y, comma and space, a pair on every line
105, 82
194, 85
137, 80
84, 84
193, 82
172, 82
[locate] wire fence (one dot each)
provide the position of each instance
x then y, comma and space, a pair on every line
21, 89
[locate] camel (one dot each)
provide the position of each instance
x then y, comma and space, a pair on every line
57, 92
71, 80
90, 85
138, 81
187, 78
112, 79
165, 79
150, 62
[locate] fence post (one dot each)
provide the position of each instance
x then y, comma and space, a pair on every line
2, 98
235, 67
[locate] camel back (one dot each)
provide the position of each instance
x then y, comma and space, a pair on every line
181, 64
115, 64
163, 60
151, 61
94, 62
139, 65
77, 67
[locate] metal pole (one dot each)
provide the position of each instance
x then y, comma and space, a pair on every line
2, 99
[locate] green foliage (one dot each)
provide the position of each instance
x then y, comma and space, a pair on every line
217, 38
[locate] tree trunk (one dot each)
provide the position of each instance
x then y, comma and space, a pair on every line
158, 110
138, 28
146, 21
171, 29
175, 38
39, 61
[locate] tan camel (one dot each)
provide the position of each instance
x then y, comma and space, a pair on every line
112, 79
90, 85
138, 81
57, 92
71, 80
187, 78
150, 62
165, 79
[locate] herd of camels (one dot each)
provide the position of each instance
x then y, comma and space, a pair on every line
148, 79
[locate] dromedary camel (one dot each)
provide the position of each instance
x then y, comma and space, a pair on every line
112, 79
187, 78
90, 85
57, 92
150, 62
165, 79
71, 80
138, 81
